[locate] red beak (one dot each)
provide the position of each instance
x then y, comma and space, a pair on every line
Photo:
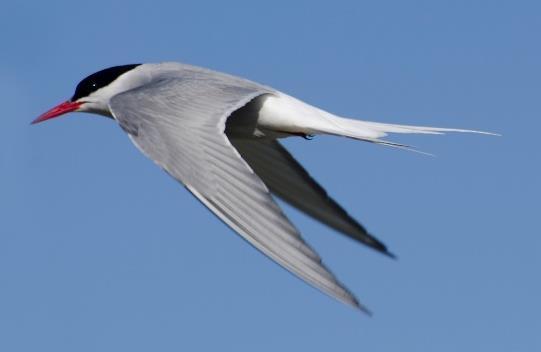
60, 109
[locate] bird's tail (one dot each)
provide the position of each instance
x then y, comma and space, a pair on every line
373, 131
287, 114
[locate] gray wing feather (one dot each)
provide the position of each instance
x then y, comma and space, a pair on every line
287, 179
179, 124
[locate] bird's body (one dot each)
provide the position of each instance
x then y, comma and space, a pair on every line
218, 135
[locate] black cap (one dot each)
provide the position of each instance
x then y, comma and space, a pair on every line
99, 80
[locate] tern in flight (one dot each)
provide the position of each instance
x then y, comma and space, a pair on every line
218, 135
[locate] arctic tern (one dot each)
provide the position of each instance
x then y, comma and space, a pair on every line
217, 134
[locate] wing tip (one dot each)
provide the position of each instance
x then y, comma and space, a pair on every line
364, 310
383, 250
353, 302
390, 254
372, 242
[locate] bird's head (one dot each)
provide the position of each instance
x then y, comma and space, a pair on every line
93, 93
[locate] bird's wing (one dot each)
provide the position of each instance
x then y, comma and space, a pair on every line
180, 124
287, 179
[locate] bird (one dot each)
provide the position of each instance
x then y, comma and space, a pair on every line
219, 136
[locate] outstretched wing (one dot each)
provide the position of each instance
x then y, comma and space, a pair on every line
179, 124
287, 179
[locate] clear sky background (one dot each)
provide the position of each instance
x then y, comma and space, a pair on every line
101, 251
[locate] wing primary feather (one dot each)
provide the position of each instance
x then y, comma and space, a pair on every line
328, 285
288, 180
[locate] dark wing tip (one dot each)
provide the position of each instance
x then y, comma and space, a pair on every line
390, 255
353, 302
377, 245
365, 310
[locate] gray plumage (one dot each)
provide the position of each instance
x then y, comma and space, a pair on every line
187, 139
217, 135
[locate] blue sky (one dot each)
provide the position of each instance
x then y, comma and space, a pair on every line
101, 251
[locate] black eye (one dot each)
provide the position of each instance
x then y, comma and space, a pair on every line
85, 88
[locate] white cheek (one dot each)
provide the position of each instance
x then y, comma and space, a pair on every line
98, 101
95, 106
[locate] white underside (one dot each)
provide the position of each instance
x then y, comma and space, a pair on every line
283, 113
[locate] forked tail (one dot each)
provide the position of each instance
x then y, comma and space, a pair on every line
373, 131
284, 113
